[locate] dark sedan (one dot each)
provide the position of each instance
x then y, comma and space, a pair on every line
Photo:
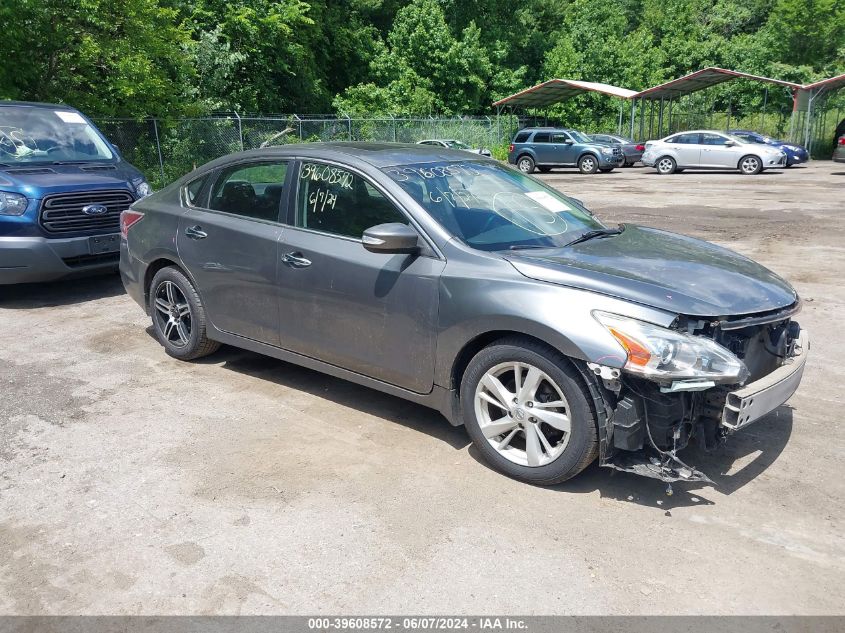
459, 283
795, 154
631, 149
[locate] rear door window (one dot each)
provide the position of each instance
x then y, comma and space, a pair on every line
542, 137
251, 190
193, 192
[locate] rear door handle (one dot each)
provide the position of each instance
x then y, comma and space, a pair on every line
196, 233
296, 260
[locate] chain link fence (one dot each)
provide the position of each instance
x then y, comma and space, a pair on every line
165, 149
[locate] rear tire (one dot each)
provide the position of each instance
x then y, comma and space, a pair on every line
525, 164
666, 165
750, 165
549, 434
588, 164
179, 319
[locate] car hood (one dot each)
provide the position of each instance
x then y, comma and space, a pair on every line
41, 180
664, 270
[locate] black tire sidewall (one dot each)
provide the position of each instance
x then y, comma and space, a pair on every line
197, 339
582, 442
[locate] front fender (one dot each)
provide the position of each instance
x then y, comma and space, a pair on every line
559, 316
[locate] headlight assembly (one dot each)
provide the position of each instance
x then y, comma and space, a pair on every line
142, 188
664, 355
607, 151
12, 203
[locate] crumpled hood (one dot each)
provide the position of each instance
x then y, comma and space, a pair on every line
664, 270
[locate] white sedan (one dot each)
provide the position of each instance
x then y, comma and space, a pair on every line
453, 144
707, 149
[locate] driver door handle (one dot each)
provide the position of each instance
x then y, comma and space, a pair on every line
296, 260
196, 233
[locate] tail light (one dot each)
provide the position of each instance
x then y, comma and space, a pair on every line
127, 219
640, 147
510, 147
841, 140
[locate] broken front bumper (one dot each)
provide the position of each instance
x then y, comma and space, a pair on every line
755, 400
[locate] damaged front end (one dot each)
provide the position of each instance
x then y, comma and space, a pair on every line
698, 380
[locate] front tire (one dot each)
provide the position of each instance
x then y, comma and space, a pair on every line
525, 164
750, 165
666, 165
179, 319
528, 412
588, 164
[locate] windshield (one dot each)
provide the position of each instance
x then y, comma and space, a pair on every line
30, 135
492, 207
581, 138
457, 145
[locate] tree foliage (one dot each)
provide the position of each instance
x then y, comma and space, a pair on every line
176, 57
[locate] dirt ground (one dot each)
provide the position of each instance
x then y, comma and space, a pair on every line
132, 483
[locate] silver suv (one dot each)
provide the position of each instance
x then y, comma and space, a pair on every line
708, 149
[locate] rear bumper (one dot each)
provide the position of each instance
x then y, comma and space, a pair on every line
755, 400
132, 273
37, 259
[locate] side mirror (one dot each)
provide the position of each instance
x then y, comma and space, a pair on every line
730, 143
569, 141
393, 237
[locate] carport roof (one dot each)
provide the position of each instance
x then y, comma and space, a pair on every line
701, 79
555, 90
830, 84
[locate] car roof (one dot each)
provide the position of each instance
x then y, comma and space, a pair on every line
34, 104
373, 153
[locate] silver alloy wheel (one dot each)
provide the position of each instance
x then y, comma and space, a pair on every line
173, 314
664, 165
522, 413
750, 164
525, 165
588, 164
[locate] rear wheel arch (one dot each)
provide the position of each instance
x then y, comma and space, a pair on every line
155, 266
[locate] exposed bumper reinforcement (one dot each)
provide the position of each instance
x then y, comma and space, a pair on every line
752, 402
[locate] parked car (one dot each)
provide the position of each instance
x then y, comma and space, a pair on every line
453, 144
707, 149
462, 284
62, 189
631, 149
545, 148
839, 150
795, 154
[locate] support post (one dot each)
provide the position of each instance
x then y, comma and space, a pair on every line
763, 113
158, 147
619, 125
669, 131
660, 120
633, 116
240, 130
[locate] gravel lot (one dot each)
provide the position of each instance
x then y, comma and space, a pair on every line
132, 483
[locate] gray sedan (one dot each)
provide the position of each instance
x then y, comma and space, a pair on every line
631, 149
461, 284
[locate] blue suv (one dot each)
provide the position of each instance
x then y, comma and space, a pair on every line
63, 187
545, 148
795, 154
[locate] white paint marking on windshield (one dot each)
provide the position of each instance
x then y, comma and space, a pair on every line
69, 117
548, 201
